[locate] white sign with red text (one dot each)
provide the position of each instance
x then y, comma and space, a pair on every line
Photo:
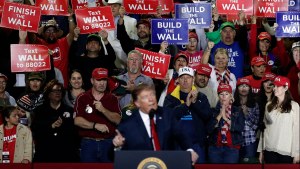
155, 65
19, 16
91, 20
29, 58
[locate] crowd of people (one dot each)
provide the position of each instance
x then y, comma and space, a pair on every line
231, 95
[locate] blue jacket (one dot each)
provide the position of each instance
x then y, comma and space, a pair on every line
136, 136
200, 111
236, 128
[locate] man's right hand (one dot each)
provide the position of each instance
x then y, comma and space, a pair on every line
119, 140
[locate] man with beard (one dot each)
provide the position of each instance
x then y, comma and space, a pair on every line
258, 67
202, 77
59, 48
97, 115
134, 76
144, 37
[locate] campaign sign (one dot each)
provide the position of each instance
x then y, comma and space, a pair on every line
234, 6
79, 4
174, 31
268, 8
288, 24
234, 18
141, 6
91, 20
294, 5
19, 16
167, 6
155, 65
1, 4
53, 7
29, 58
198, 14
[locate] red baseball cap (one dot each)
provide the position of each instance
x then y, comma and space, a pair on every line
282, 81
100, 73
257, 61
264, 35
204, 69
243, 81
3, 75
181, 54
269, 76
193, 35
224, 87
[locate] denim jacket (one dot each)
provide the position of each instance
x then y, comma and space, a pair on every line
236, 128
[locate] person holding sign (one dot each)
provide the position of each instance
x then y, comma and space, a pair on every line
192, 109
134, 76
93, 57
119, 15
144, 37
261, 46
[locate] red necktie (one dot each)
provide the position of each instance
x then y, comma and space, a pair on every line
154, 135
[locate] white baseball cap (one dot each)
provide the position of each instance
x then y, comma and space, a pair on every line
186, 71
295, 44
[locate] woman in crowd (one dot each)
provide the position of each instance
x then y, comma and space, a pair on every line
225, 129
220, 72
16, 139
280, 143
244, 99
75, 87
53, 127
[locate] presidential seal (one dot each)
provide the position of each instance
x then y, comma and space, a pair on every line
152, 163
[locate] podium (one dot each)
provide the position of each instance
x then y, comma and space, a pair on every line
152, 160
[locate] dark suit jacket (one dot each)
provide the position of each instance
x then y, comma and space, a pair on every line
136, 136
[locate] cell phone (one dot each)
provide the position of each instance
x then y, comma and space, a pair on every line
24, 121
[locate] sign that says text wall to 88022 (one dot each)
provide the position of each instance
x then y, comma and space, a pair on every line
29, 58
94, 19
288, 24
174, 31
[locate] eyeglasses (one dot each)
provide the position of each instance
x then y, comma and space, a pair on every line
3, 83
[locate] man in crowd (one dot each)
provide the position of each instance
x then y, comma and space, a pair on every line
163, 130
5, 98
97, 114
134, 76
202, 76
191, 108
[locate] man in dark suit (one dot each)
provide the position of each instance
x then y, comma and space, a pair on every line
136, 133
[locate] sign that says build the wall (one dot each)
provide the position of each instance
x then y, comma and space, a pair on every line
155, 65
198, 14
29, 58
174, 31
91, 20
268, 8
53, 7
20, 16
288, 24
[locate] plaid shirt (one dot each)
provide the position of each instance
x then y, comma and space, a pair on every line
251, 124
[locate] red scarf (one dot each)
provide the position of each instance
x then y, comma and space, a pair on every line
226, 124
224, 79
